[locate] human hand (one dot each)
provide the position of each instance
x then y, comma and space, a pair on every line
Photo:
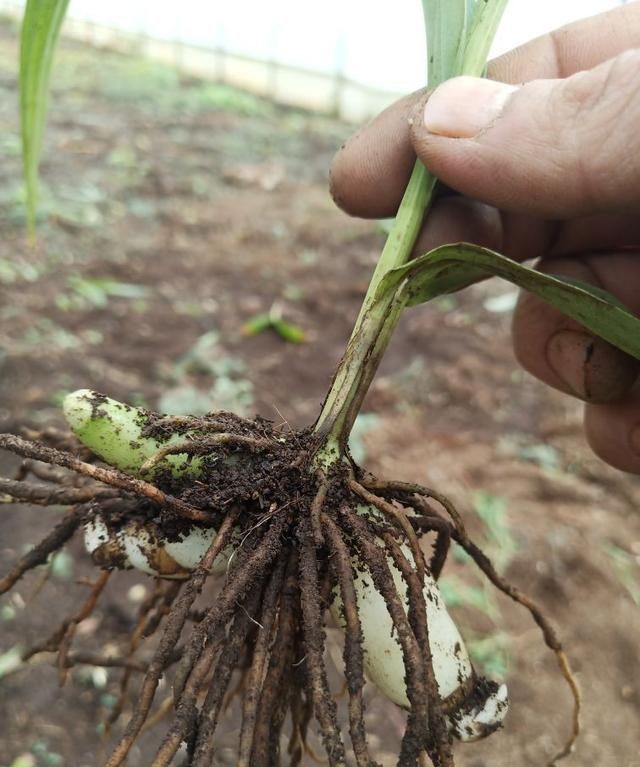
547, 170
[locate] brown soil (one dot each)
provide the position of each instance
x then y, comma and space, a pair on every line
213, 207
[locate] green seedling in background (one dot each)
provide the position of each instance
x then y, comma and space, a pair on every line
272, 320
627, 569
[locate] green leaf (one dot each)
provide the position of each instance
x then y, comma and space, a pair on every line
97, 291
11, 661
40, 29
289, 332
482, 25
257, 324
459, 36
452, 267
272, 321
446, 27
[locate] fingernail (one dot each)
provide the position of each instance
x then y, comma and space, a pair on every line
590, 368
464, 106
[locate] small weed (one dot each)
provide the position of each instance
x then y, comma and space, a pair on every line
44, 756
125, 80
45, 333
501, 546
95, 292
273, 320
490, 651
24, 760
16, 270
10, 661
459, 593
229, 388
61, 565
627, 569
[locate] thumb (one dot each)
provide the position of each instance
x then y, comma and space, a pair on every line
556, 148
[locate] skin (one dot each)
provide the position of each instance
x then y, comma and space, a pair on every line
553, 176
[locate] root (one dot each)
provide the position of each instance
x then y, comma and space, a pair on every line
111, 477
39, 554
208, 718
548, 632
314, 636
60, 639
247, 570
316, 511
439, 741
40, 471
261, 654
297, 542
201, 446
84, 658
416, 733
209, 634
151, 612
173, 628
485, 565
399, 518
12, 491
185, 716
353, 657
274, 697
69, 632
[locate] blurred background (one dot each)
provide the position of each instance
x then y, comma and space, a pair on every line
346, 58
189, 257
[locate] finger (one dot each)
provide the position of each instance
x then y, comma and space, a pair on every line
460, 219
573, 48
600, 232
523, 237
559, 351
554, 148
369, 173
613, 432
371, 170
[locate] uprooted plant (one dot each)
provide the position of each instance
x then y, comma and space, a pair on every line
296, 531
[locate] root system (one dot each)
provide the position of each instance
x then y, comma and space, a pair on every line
300, 538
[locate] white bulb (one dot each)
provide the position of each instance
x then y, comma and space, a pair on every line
189, 550
105, 546
483, 707
139, 545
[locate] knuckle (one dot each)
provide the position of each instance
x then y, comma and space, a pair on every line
599, 110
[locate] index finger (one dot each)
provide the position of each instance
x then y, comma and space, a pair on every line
370, 172
577, 46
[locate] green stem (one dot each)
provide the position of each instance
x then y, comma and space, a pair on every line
459, 35
375, 324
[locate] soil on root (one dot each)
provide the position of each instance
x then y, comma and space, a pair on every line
276, 503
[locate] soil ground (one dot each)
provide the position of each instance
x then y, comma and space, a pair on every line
174, 212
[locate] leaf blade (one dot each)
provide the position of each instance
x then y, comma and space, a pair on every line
481, 29
446, 31
453, 267
41, 25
